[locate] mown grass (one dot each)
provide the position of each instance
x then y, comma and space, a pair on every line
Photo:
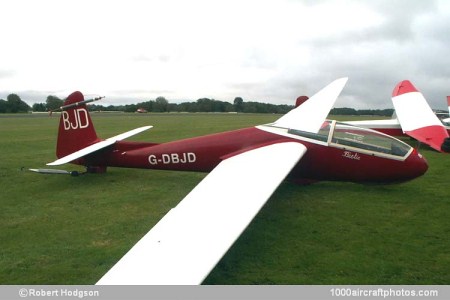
71, 230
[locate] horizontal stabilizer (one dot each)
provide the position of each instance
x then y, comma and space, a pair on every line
191, 238
416, 117
97, 146
127, 134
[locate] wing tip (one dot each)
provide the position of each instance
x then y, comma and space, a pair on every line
403, 87
341, 81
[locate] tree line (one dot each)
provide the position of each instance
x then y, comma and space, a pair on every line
14, 104
345, 111
160, 104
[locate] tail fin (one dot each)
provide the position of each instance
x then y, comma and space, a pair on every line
300, 100
76, 130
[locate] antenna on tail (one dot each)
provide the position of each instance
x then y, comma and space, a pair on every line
64, 107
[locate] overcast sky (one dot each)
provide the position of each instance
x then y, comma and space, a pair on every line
268, 51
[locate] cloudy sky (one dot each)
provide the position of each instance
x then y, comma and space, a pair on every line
268, 51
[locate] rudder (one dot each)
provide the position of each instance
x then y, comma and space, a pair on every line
76, 130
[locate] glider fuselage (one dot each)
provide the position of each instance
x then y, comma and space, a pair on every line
323, 160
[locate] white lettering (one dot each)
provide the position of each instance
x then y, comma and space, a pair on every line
152, 160
86, 120
80, 122
166, 159
175, 158
172, 158
350, 155
79, 293
65, 118
191, 157
42, 293
75, 115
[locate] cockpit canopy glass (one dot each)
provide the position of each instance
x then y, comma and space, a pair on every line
367, 139
342, 135
322, 135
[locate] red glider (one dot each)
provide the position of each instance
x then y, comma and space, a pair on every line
191, 238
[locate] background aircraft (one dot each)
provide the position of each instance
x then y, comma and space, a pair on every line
446, 117
414, 118
192, 237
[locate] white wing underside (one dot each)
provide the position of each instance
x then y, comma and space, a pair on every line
191, 238
376, 124
311, 114
97, 146
413, 111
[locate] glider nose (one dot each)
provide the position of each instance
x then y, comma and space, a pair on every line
418, 165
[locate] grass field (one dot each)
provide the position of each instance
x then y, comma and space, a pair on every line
71, 230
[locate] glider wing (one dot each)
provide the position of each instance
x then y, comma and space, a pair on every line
191, 238
416, 117
310, 115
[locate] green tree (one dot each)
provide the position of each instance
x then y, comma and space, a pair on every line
204, 105
53, 102
39, 107
131, 107
15, 104
238, 104
161, 104
3, 106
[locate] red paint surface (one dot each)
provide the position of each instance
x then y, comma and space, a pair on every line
432, 135
403, 87
70, 139
300, 100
